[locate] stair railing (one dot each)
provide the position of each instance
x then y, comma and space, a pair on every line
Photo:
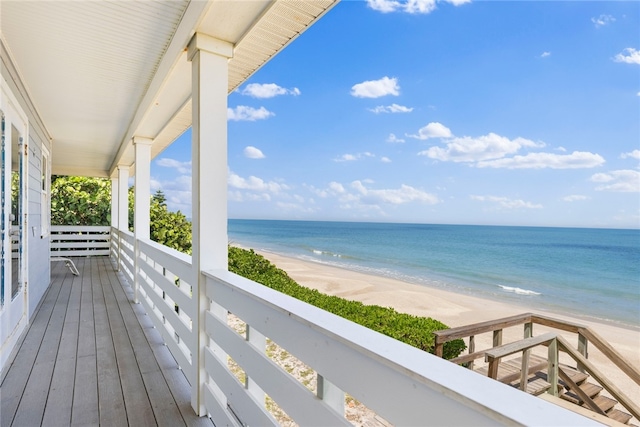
555, 344
580, 354
617, 394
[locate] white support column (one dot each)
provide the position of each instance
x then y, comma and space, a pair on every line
142, 201
123, 198
114, 215
114, 202
123, 207
209, 57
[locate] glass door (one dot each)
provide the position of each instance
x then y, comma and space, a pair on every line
13, 290
17, 212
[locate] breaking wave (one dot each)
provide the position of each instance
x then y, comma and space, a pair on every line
519, 291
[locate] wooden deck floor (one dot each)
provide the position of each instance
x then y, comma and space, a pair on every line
91, 357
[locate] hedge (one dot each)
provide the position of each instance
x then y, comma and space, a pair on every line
413, 330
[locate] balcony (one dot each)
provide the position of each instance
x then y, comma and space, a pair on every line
94, 356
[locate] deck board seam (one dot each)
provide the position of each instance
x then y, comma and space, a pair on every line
118, 288
111, 320
49, 330
55, 358
47, 299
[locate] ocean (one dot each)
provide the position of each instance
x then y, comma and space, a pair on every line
592, 273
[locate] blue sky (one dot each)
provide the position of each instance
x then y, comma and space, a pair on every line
459, 112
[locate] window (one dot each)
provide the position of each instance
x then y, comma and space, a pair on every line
45, 192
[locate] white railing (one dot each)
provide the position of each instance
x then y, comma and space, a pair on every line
401, 384
164, 289
75, 240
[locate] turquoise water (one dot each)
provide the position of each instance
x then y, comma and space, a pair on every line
588, 272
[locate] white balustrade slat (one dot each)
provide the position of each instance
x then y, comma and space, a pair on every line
127, 269
82, 237
183, 300
80, 228
250, 411
182, 359
79, 253
127, 236
88, 245
293, 397
127, 252
174, 261
169, 313
218, 411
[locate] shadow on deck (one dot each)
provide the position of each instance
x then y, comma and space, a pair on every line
92, 357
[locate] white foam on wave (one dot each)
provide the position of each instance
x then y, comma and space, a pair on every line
519, 291
317, 252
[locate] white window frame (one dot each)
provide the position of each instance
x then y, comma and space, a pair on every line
45, 194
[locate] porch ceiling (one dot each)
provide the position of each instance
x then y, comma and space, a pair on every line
100, 72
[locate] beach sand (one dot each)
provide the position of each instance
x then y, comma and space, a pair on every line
456, 309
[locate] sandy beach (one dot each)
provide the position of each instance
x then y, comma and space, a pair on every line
456, 309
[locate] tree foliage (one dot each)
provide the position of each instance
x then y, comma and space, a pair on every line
80, 201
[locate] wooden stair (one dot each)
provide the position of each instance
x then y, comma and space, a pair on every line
537, 384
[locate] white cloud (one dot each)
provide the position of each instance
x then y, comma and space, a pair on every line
575, 160
181, 167
562, 149
545, 54
353, 157
239, 196
623, 181
255, 184
177, 191
268, 90
376, 88
504, 202
628, 56
346, 158
404, 194
392, 138
433, 130
385, 160
575, 198
253, 153
393, 108
409, 6
487, 147
245, 113
336, 187
603, 20
635, 154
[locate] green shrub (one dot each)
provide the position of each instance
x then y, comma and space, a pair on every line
413, 330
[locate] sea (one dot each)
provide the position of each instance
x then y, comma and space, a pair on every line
586, 272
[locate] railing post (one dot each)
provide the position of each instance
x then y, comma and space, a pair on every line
439, 348
259, 341
583, 349
524, 372
472, 349
497, 341
552, 368
332, 395
528, 330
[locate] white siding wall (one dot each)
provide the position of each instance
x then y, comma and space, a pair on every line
39, 273
38, 245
